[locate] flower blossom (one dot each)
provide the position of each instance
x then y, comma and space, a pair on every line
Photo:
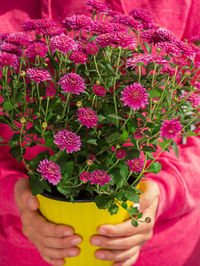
123, 39
100, 177
62, 43
96, 6
53, 31
77, 22
127, 20
87, 117
170, 48
67, 139
29, 25
45, 23
194, 99
38, 74
120, 154
135, 96
78, 57
37, 48
99, 90
11, 48
8, 60
85, 176
100, 27
170, 129
135, 165
104, 40
158, 35
138, 135
50, 171
73, 83
19, 38
142, 15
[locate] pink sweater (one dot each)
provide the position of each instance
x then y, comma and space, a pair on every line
177, 228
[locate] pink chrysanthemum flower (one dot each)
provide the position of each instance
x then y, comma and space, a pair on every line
195, 38
138, 135
144, 58
77, 22
53, 31
194, 99
118, 27
104, 40
197, 85
3, 36
85, 176
62, 43
19, 38
91, 49
11, 48
78, 57
100, 27
99, 90
45, 23
186, 49
38, 74
142, 15
29, 25
123, 39
72, 83
37, 48
92, 157
169, 70
88, 117
135, 165
100, 177
135, 96
8, 60
178, 61
158, 35
160, 60
50, 171
170, 129
128, 21
69, 140
96, 6
120, 154
170, 48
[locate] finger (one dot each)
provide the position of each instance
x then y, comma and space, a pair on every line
24, 195
128, 262
119, 243
56, 262
151, 192
59, 253
116, 255
64, 242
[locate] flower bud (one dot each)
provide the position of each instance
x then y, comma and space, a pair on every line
187, 73
117, 146
22, 73
22, 120
147, 220
158, 49
138, 135
41, 98
98, 82
45, 64
44, 125
89, 162
79, 104
156, 100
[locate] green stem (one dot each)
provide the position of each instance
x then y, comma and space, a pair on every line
130, 114
65, 107
113, 165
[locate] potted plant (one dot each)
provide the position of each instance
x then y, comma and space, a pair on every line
103, 96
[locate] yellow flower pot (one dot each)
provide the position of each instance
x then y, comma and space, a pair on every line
85, 218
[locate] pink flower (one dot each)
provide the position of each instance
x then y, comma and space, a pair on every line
11, 48
120, 154
194, 99
170, 129
19, 38
99, 90
138, 135
160, 60
158, 35
3, 36
45, 23
78, 57
142, 15
100, 177
85, 176
67, 139
88, 117
77, 22
128, 21
91, 49
144, 58
92, 157
197, 85
123, 39
104, 40
53, 31
50, 171
135, 165
100, 27
118, 27
8, 60
72, 83
38, 74
170, 48
62, 43
135, 96
37, 48
187, 49
29, 25
96, 6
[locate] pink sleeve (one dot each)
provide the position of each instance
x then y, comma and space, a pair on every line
179, 180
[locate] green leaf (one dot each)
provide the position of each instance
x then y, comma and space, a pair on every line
133, 211
193, 134
1, 139
113, 209
134, 223
92, 38
92, 141
153, 93
49, 141
132, 195
113, 137
139, 215
67, 169
155, 168
124, 171
124, 135
124, 205
149, 149
15, 151
45, 185
175, 148
8, 106
104, 201
36, 186
101, 118
115, 116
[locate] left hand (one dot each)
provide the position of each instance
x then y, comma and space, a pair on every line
123, 241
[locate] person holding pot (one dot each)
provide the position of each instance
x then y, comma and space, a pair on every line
171, 198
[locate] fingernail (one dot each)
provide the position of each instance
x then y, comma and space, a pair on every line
102, 231
101, 256
95, 242
67, 233
72, 253
76, 241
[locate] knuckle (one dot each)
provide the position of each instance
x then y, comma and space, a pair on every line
26, 231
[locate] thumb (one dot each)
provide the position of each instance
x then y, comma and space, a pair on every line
24, 197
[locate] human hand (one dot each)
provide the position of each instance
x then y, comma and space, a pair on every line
54, 242
124, 241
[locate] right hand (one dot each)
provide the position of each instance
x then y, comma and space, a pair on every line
54, 242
